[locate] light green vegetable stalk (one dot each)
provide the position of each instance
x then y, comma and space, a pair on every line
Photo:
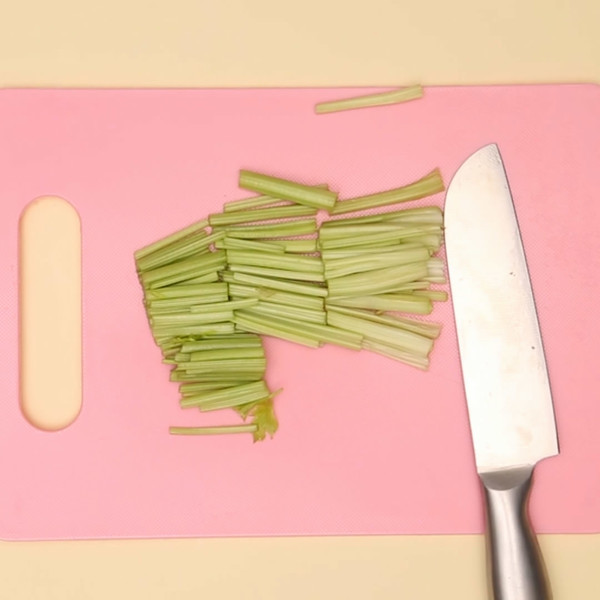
412, 92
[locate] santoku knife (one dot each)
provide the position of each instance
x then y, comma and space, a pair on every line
503, 365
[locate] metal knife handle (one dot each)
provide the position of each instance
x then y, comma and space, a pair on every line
515, 562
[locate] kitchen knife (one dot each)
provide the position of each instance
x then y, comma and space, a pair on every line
503, 366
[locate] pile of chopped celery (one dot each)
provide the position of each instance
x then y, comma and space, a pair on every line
270, 265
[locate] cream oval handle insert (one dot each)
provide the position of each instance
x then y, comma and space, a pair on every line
50, 313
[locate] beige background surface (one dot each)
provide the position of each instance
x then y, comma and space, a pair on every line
272, 43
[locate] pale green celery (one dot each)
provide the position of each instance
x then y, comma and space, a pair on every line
420, 215
263, 416
305, 246
208, 329
282, 274
238, 290
259, 246
431, 184
238, 403
214, 429
434, 295
290, 312
219, 377
411, 286
287, 190
229, 305
379, 332
309, 264
405, 94
179, 304
170, 239
273, 230
179, 251
185, 269
321, 333
183, 291
189, 318
196, 387
432, 241
259, 215
408, 303
393, 235
427, 329
360, 264
228, 365
364, 251
281, 285
221, 343
250, 392
361, 231
420, 362
226, 276
265, 326
252, 203
378, 281
435, 268
211, 277
225, 353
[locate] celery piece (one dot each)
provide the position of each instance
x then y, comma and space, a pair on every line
263, 416
287, 190
391, 235
202, 329
258, 246
281, 285
267, 326
434, 295
263, 214
226, 353
252, 203
215, 429
196, 387
419, 215
170, 239
211, 277
420, 362
189, 318
188, 303
244, 340
309, 264
249, 392
305, 246
388, 303
291, 312
405, 94
238, 290
219, 377
377, 281
183, 291
363, 251
185, 269
281, 274
431, 184
379, 332
435, 270
228, 365
229, 305
272, 230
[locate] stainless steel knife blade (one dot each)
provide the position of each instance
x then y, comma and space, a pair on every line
503, 364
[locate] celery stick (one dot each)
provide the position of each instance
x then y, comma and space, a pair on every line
434, 295
189, 318
220, 377
306, 246
238, 290
246, 340
290, 312
266, 326
272, 230
276, 261
377, 281
385, 334
420, 215
393, 235
387, 302
224, 365
396, 96
214, 430
223, 353
196, 387
264, 214
183, 330
183, 291
229, 305
211, 277
283, 274
435, 268
287, 190
373, 229
363, 251
431, 184
251, 392
187, 303
252, 203
259, 246
185, 269
281, 285
170, 239
408, 358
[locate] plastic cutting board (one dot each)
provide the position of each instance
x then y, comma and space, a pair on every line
366, 445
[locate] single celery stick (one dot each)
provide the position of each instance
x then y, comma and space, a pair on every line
180, 271
262, 214
233, 402
276, 261
207, 329
296, 228
434, 295
378, 281
278, 273
431, 184
431, 241
223, 342
323, 333
366, 230
385, 334
420, 215
249, 392
170, 239
305, 246
252, 203
281, 285
187, 303
219, 377
230, 305
225, 364
265, 326
223, 353
393, 235
259, 246
189, 318
397, 96
194, 388
211, 277
363, 251
435, 268
238, 290
214, 429
287, 190
409, 303
291, 312
360, 264
427, 329
183, 291
408, 358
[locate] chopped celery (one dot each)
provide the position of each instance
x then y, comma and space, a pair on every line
238, 340
191, 389
215, 429
264, 214
421, 362
396, 96
238, 290
228, 305
277, 261
280, 274
170, 239
249, 392
224, 353
292, 312
267, 326
258, 246
421, 215
184, 291
252, 203
281, 285
388, 303
434, 295
272, 230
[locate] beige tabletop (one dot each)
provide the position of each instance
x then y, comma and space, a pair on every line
200, 43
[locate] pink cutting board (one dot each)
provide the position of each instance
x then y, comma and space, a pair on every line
366, 445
